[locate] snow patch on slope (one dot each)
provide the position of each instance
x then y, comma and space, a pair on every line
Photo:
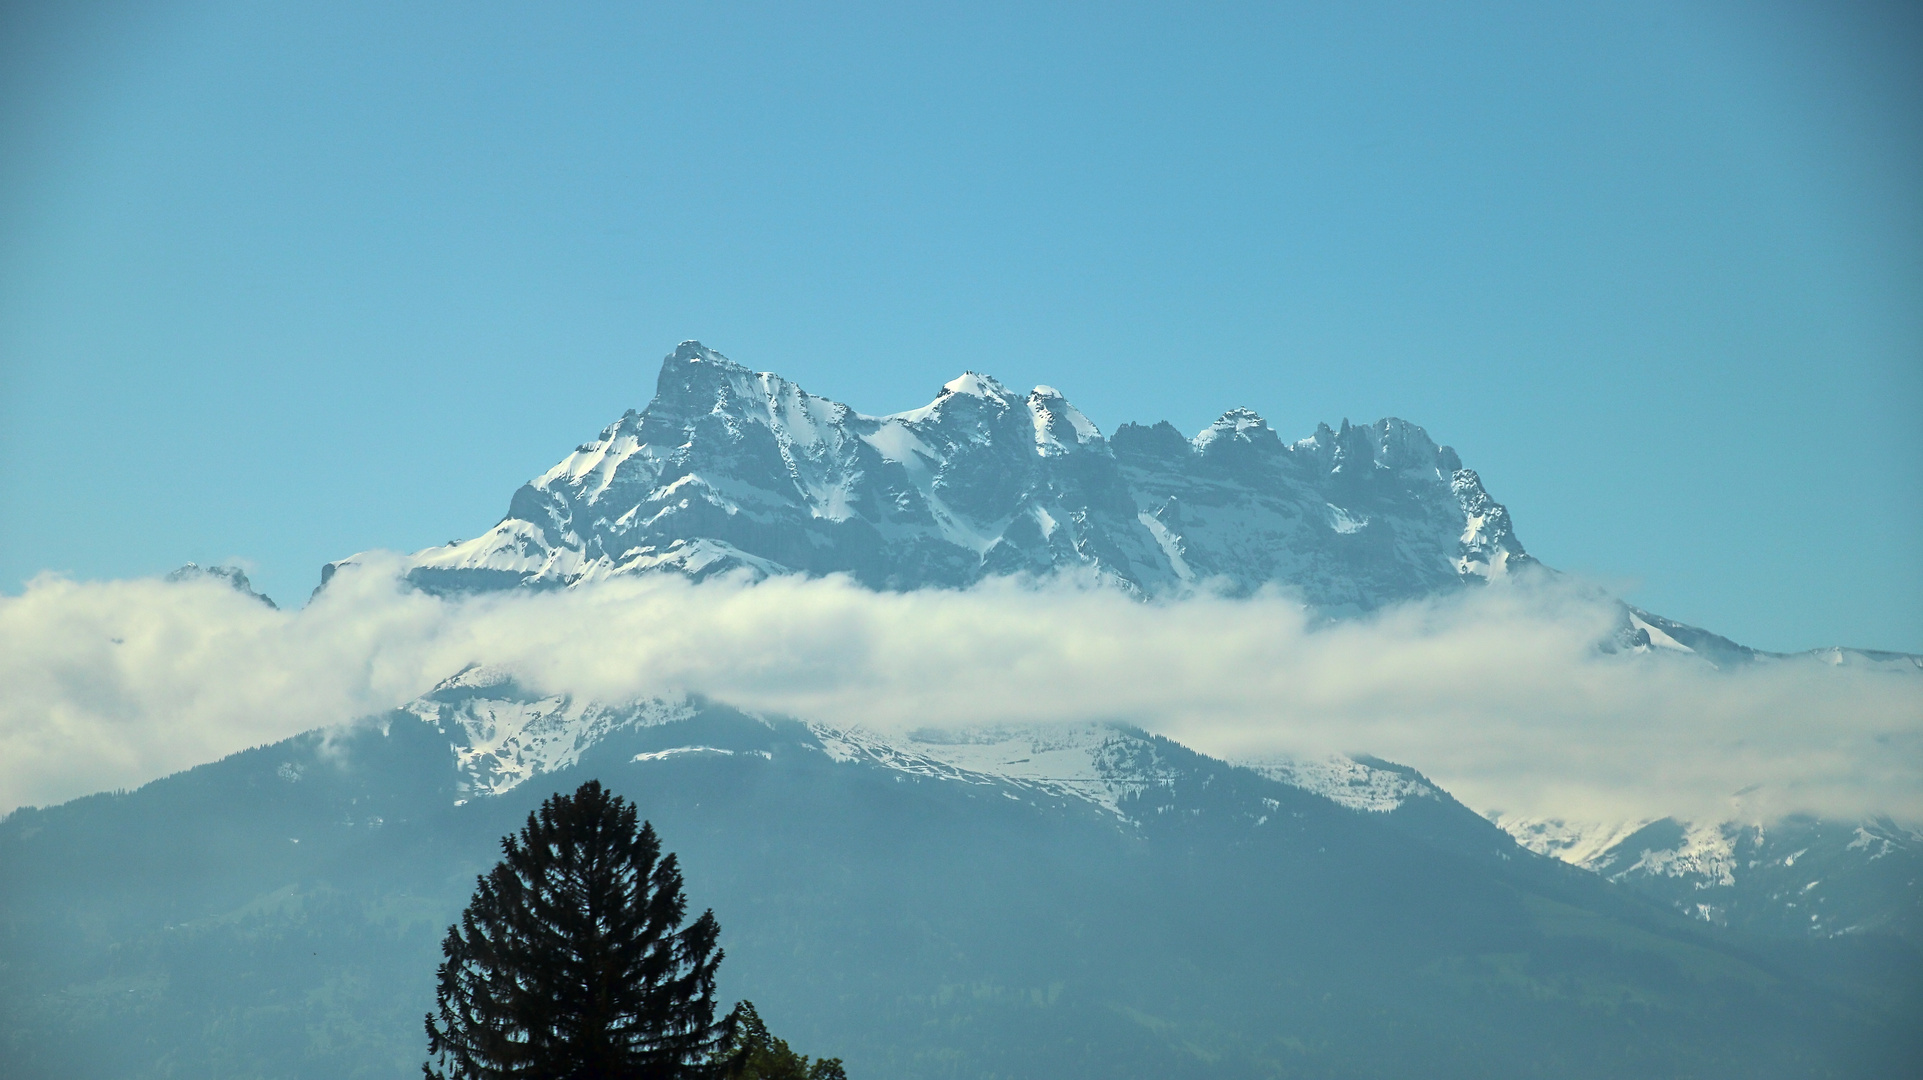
503, 740
1658, 638
1707, 852
1344, 780
1073, 761
1578, 843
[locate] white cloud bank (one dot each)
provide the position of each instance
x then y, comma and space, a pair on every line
1498, 694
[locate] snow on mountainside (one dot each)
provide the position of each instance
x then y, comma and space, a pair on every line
1795, 877
503, 735
730, 469
1800, 875
1359, 784
1642, 631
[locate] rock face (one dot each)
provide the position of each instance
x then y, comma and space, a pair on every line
730, 469
234, 576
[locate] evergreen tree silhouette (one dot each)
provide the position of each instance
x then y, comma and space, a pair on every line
754, 1053
571, 962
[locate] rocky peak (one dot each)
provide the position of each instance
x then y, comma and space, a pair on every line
233, 576
729, 469
1400, 446
1236, 430
1059, 426
1160, 441
975, 384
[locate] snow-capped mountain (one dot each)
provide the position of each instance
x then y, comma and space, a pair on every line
1080, 899
733, 470
728, 469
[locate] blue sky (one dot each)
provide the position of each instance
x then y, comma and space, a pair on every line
280, 283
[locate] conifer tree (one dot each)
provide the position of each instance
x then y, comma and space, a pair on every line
754, 1053
571, 962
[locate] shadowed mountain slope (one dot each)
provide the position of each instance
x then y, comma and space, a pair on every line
1085, 901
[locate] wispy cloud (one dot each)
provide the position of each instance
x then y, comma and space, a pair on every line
1499, 694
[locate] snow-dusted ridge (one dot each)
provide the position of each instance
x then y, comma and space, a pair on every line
1800, 875
1084, 761
1357, 783
1574, 842
729, 469
503, 735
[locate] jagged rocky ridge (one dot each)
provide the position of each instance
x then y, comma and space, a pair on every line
233, 576
732, 470
729, 469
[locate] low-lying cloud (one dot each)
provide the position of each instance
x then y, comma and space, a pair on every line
1499, 694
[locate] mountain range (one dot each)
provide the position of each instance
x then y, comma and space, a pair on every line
729, 470
990, 900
